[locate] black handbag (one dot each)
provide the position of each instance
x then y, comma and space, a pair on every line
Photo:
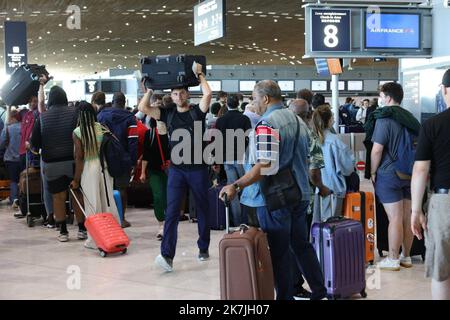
281, 190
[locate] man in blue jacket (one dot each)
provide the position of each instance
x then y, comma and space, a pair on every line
123, 125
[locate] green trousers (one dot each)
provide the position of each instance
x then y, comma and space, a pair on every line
158, 183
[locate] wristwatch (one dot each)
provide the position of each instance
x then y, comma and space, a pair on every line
236, 187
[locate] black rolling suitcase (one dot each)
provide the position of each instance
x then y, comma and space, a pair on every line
171, 72
23, 84
139, 195
418, 246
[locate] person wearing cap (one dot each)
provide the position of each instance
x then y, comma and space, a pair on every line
122, 124
433, 159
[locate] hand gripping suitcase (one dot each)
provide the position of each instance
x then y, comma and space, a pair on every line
245, 264
23, 84
360, 206
108, 235
171, 71
217, 219
339, 245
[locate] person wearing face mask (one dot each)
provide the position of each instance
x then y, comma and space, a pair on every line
382, 108
385, 129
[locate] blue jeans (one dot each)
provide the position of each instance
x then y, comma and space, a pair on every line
14, 176
234, 172
178, 183
289, 246
48, 198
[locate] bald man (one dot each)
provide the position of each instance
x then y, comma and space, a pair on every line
301, 108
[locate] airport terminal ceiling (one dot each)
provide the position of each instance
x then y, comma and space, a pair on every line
115, 34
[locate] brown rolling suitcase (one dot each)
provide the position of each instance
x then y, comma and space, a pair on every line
245, 264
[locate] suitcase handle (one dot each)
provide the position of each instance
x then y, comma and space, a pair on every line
78, 202
336, 219
242, 228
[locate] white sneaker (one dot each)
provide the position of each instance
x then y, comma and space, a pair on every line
405, 262
90, 244
63, 237
389, 264
164, 263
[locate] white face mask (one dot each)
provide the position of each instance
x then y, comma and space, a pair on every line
380, 103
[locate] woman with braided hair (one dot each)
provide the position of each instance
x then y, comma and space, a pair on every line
97, 185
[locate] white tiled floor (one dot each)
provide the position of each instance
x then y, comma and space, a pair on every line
34, 265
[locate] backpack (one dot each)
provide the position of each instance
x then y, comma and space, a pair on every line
352, 182
406, 154
113, 153
171, 114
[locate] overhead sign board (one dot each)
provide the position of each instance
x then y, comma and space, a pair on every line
361, 31
209, 21
92, 86
330, 30
15, 45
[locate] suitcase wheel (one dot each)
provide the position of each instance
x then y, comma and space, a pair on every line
30, 221
180, 59
103, 254
124, 251
364, 294
34, 77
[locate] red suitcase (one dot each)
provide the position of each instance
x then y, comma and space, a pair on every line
108, 235
246, 271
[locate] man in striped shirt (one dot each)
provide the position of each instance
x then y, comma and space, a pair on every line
123, 125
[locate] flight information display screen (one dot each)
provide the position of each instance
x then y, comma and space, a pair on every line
392, 31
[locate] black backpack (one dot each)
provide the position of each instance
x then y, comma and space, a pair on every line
112, 152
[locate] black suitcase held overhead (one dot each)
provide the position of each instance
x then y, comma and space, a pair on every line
171, 72
23, 84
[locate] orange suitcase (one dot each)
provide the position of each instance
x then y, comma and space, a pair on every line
360, 206
108, 235
4, 189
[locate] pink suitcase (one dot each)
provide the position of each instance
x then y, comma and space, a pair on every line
106, 232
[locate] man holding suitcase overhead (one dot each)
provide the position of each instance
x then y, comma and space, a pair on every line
187, 169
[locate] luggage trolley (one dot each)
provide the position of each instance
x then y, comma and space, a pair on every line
32, 215
25, 203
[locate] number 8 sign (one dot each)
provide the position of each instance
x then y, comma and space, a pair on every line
330, 30
331, 40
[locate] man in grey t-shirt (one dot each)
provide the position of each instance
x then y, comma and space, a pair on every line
393, 193
387, 133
